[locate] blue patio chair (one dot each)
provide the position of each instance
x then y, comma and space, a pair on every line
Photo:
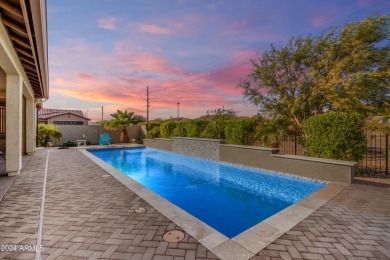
104, 139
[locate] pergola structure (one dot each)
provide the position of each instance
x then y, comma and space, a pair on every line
23, 75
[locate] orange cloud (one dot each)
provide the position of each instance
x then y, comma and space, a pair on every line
152, 28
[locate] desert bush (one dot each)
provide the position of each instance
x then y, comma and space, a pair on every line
69, 144
240, 131
153, 129
196, 127
47, 133
180, 129
166, 129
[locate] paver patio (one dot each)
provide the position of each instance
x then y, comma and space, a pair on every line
88, 215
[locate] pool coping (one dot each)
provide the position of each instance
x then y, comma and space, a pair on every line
242, 246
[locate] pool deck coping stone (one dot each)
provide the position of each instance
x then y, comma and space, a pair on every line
242, 246
221, 141
251, 147
315, 159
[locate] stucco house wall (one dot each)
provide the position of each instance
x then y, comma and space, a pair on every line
93, 132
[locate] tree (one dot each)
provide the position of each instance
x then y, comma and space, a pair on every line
123, 119
220, 112
271, 132
342, 71
47, 133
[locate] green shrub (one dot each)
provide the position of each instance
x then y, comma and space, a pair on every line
139, 140
180, 129
215, 128
47, 133
240, 131
69, 144
196, 127
166, 129
217, 118
335, 136
153, 130
271, 132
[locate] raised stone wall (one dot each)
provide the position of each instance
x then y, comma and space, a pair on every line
267, 158
197, 147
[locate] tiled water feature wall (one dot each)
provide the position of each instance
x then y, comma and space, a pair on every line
197, 147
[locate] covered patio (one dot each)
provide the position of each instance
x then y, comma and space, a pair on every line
23, 77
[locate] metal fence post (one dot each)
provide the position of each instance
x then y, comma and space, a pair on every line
295, 144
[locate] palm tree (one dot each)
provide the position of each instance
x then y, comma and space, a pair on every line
123, 120
47, 133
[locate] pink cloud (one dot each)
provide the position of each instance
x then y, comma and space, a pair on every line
118, 80
155, 29
318, 20
364, 2
326, 14
226, 79
108, 23
85, 76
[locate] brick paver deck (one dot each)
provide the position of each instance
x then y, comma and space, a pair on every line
89, 216
19, 210
353, 225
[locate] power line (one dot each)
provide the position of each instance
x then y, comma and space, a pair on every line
228, 59
203, 69
191, 80
147, 104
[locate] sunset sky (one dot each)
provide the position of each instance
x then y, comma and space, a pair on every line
105, 52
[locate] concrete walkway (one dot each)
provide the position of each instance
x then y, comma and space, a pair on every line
88, 215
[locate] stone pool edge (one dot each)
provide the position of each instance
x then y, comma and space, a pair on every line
242, 246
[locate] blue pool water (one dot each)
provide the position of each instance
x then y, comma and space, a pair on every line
228, 198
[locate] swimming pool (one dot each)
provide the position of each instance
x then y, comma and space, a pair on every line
228, 198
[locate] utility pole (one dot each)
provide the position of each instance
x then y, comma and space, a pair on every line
178, 109
147, 104
102, 114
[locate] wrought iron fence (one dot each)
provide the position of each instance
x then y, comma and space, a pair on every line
375, 161
290, 145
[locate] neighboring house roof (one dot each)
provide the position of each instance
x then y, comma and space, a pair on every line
46, 113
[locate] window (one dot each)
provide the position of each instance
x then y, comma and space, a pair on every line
68, 122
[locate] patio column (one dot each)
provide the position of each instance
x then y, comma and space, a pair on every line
30, 125
14, 88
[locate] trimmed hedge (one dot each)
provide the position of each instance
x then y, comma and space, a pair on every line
196, 127
153, 130
180, 129
215, 129
166, 129
335, 136
240, 131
